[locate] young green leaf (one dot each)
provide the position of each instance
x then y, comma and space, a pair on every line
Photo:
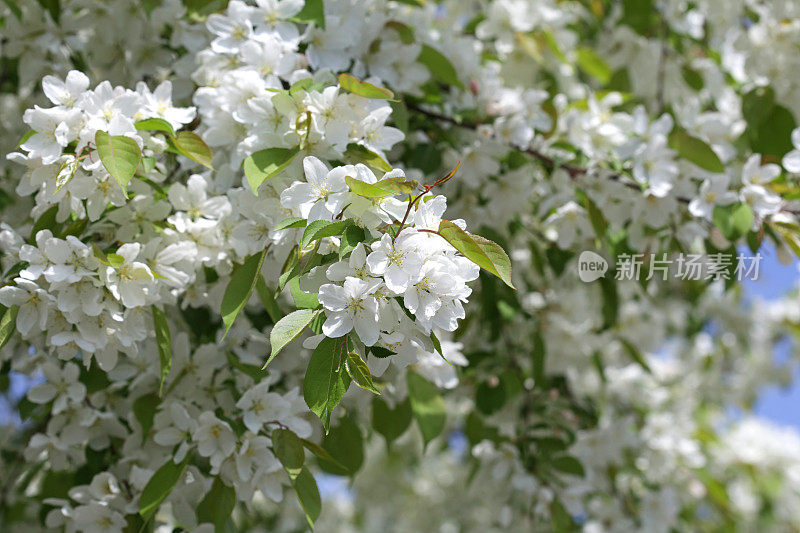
240, 287
164, 344
483, 252
144, 409
357, 153
288, 449
303, 299
382, 188
322, 228
440, 67
192, 146
696, 151
592, 64
568, 465
160, 485
288, 329
391, 423
313, 12
360, 373
427, 406
367, 190
266, 164
8, 324
28, 134
291, 222
733, 220
326, 380
217, 505
405, 32
307, 492
120, 156
362, 88
156, 124
350, 239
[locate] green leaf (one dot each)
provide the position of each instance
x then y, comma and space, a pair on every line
160, 485
345, 444
251, 370
391, 423
483, 252
192, 146
307, 492
382, 188
692, 78
12, 5
357, 153
28, 135
641, 15
288, 449
636, 355
321, 453
266, 164
773, 136
46, 220
360, 373
267, 297
568, 465
405, 32
610, 306
362, 88
148, 164
350, 239
288, 329
8, 324
156, 124
144, 409
240, 287
303, 299
696, 151
733, 220
120, 156
490, 396
313, 12
440, 67
326, 380
320, 229
592, 64
561, 520
291, 222
367, 190
164, 344
149, 5
217, 505
769, 126
53, 7
427, 406
201, 9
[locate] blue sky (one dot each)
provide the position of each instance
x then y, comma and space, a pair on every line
774, 280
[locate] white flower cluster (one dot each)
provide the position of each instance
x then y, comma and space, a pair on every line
243, 103
414, 264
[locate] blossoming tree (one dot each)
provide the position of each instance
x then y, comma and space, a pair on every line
252, 248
